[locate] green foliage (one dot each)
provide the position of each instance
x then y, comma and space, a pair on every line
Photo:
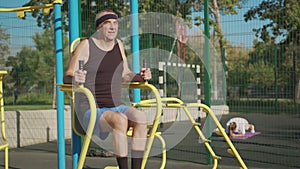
27, 107
278, 55
34, 68
261, 74
237, 58
4, 46
269, 106
216, 9
26, 69
23, 66
283, 16
89, 9
225, 6
272, 62
46, 21
31, 98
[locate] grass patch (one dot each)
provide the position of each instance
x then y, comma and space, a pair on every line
270, 106
27, 107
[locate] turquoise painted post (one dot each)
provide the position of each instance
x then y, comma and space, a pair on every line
134, 6
59, 80
74, 33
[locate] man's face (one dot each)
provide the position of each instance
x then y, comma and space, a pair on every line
109, 29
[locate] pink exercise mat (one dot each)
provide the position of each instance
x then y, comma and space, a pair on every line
247, 135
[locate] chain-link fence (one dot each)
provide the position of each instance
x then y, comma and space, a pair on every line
262, 72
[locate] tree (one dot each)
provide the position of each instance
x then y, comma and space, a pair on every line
217, 8
45, 21
4, 46
89, 9
261, 74
283, 31
238, 59
45, 45
35, 67
24, 66
283, 16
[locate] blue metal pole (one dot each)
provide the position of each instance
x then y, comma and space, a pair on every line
134, 6
74, 33
59, 80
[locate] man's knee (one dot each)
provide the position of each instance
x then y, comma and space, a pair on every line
140, 117
120, 122
116, 120
136, 116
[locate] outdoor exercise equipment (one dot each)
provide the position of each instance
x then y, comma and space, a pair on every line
3, 131
56, 5
71, 89
76, 126
177, 103
158, 102
20, 11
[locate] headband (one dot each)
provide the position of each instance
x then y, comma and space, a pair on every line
104, 18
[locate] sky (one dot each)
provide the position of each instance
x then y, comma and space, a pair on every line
20, 30
236, 30
234, 27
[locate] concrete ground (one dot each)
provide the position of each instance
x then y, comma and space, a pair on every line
277, 147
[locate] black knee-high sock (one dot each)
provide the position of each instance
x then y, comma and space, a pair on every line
136, 160
122, 162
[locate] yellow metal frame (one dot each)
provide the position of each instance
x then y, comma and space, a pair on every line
216, 121
158, 102
153, 131
177, 103
164, 151
92, 121
71, 89
20, 11
5, 145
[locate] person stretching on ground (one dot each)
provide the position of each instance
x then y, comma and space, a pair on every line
236, 127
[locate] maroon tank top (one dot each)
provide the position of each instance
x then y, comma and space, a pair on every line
104, 77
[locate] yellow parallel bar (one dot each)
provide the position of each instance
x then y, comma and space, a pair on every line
221, 129
26, 8
3, 146
72, 46
177, 103
203, 138
57, 1
89, 132
3, 131
20, 11
164, 151
2, 106
92, 121
156, 122
163, 146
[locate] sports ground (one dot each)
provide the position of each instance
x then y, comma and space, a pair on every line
277, 147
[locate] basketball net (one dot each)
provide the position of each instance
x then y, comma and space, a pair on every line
181, 34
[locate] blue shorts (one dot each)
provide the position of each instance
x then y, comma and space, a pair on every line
99, 111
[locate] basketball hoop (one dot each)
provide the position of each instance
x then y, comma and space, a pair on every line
181, 34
